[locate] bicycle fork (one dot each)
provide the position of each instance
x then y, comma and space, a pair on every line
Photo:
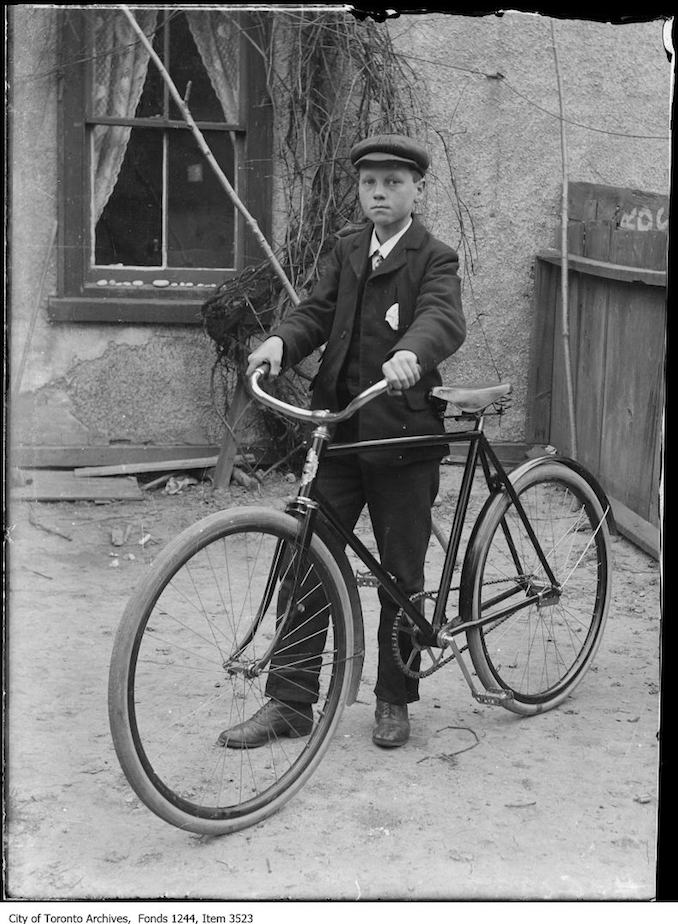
286, 557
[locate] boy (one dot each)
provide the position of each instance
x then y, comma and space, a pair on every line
388, 306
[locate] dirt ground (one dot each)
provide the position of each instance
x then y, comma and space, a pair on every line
481, 804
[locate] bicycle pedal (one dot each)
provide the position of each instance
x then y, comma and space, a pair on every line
366, 579
494, 697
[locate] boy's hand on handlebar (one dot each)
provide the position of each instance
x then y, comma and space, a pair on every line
401, 371
269, 353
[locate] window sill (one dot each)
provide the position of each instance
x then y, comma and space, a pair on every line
107, 310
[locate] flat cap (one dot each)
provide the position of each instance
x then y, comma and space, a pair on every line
391, 148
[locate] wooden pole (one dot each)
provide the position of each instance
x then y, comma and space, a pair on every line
564, 263
204, 147
227, 454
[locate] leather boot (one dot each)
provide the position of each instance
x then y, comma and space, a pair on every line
393, 725
274, 720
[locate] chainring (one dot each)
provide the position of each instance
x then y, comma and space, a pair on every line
404, 625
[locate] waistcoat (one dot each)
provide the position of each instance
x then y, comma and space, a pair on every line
350, 373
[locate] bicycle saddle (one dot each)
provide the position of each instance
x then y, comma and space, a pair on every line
470, 400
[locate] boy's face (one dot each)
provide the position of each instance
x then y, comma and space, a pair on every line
388, 194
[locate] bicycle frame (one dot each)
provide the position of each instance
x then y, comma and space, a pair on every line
309, 501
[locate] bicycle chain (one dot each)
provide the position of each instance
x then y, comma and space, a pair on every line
400, 625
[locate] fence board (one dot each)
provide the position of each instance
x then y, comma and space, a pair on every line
576, 237
597, 240
651, 277
541, 354
560, 435
634, 356
45, 485
632, 208
633, 248
591, 367
582, 203
617, 304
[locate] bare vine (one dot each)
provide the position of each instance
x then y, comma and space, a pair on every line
332, 80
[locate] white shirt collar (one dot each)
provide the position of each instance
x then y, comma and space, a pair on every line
386, 248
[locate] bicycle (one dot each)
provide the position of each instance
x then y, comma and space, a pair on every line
209, 623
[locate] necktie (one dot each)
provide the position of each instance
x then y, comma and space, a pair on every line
377, 259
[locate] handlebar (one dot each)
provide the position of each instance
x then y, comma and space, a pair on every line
317, 416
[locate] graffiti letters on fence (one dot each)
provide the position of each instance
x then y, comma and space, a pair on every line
645, 219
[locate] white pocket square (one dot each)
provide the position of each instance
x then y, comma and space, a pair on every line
392, 316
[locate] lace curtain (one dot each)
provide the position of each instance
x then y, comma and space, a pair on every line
217, 39
120, 66
119, 73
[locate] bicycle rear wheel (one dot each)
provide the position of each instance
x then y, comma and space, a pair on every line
192, 657
539, 652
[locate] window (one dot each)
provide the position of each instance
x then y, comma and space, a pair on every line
146, 229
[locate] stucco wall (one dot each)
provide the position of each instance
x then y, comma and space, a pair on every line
506, 154
82, 384
95, 384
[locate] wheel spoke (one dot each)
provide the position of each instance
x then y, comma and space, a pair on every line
203, 651
540, 653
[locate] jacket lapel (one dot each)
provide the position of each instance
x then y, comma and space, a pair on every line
411, 240
358, 255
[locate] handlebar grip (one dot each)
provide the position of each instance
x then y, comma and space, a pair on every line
264, 367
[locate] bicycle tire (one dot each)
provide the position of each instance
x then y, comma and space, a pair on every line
541, 652
174, 683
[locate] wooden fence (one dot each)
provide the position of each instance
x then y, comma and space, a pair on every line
617, 306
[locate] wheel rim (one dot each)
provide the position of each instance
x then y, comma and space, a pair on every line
540, 651
184, 686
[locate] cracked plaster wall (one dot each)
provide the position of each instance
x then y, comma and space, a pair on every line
82, 384
95, 384
505, 149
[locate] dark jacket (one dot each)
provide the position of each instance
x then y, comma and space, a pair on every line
420, 275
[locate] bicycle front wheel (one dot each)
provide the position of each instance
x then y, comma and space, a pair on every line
545, 633
195, 654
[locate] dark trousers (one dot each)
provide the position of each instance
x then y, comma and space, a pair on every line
399, 500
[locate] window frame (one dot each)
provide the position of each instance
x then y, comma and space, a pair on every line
78, 297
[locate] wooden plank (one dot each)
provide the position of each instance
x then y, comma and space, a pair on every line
560, 429
119, 454
656, 254
540, 372
227, 454
64, 486
581, 201
641, 533
616, 204
606, 270
140, 467
590, 363
575, 237
597, 240
638, 248
635, 352
170, 465
127, 310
